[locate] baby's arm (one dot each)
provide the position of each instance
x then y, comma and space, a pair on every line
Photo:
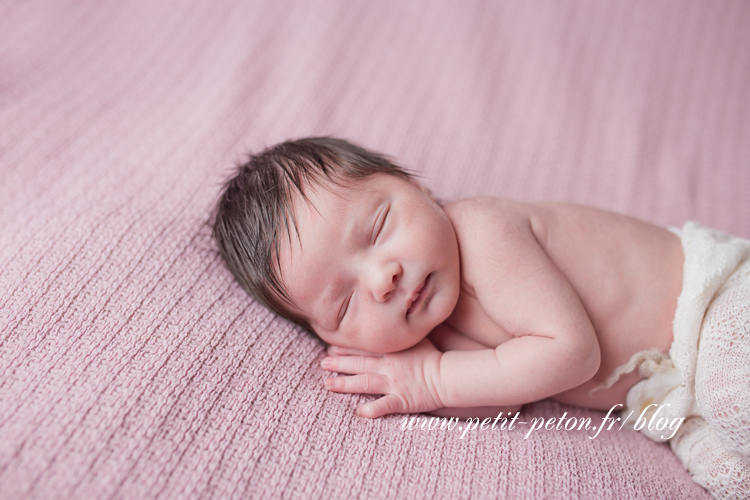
443, 338
446, 339
553, 346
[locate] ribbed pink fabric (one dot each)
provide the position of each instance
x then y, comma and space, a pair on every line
132, 366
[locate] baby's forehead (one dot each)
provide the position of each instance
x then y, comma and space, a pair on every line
318, 229
331, 199
321, 212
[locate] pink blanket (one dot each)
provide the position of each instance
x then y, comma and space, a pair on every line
131, 365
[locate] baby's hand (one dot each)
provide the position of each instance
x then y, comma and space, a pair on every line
408, 379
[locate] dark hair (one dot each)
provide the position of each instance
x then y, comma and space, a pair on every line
256, 204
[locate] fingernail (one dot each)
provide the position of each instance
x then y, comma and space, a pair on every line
325, 362
329, 383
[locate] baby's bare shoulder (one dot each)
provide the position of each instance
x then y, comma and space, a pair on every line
490, 220
486, 210
491, 231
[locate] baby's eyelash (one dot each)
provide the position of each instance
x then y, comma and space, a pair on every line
382, 223
345, 307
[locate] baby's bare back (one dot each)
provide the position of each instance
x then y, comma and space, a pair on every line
626, 272
628, 275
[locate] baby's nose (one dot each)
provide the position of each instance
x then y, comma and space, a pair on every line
387, 281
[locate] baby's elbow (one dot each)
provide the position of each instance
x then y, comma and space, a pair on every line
585, 358
591, 359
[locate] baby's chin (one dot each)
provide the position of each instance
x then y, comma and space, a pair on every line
421, 332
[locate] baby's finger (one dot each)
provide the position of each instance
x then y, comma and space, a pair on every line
382, 406
348, 351
368, 383
350, 364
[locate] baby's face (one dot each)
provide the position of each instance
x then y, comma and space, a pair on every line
376, 265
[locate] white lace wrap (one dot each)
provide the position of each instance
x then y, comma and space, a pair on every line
706, 377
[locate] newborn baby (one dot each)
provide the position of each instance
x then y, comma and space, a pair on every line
481, 305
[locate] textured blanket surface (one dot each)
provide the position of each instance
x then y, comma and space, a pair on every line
131, 364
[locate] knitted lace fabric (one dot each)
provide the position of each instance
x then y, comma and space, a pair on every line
706, 378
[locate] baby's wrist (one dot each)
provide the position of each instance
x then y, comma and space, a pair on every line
439, 386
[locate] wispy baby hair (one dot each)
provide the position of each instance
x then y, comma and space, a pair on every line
256, 205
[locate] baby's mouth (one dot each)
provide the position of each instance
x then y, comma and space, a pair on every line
418, 296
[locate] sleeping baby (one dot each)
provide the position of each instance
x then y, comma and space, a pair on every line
479, 306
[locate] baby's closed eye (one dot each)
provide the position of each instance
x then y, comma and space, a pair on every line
380, 223
344, 307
